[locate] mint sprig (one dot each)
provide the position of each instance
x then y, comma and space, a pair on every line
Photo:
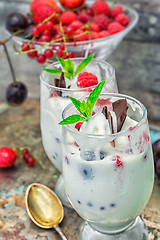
68, 67
85, 108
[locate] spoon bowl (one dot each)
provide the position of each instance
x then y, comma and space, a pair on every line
44, 207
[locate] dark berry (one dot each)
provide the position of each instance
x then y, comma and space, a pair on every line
31, 161
16, 93
16, 21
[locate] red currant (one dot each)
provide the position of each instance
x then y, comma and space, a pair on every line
59, 52
48, 53
49, 25
41, 58
40, 27
45, 38
32, 54
70, 54
35, 32
31, 161
62, 47
25, 47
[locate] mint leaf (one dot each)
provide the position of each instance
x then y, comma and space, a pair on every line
83, 64
93, 97
78, 105
73, 119
53, 71
67, 65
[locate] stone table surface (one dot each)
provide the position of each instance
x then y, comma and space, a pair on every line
20, 127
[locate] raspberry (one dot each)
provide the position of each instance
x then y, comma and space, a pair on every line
94, 35
103, 33
68, 17
7, 157
115, 27
102, 21
116, 11
78, 125
83, 17
86, 79
36, 3
42, 12
76, 25
123, 19
94, 27
100, 7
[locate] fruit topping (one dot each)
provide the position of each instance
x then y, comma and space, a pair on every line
7, 157
86, 79
16, 21
100, 7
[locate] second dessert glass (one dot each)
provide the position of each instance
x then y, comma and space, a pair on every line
109, 178
53, 101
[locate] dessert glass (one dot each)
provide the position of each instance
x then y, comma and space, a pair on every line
55, 99
109, 194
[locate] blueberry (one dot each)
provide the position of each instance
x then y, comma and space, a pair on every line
16, 93
88, 156
87, 173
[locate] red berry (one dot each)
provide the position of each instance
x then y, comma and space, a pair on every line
7, 157
59, 52
40, 27
48, 53
123, 19
31, 161
46, 32
71, 3
86, 79
71, 54
94, 27
119, 162
80, 35
49, 25
76, 25
100, 7
83, 17
25, 151
25, 47
116, 11
35, 32
26, 156
115, 27
62, 47
78, 125
32, 54
102, 21
41, 58
45, 38
69, 31
94, 35
103, 33
68, 17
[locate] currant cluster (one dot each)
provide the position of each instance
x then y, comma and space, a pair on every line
28, 158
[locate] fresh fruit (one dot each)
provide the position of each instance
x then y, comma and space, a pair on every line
102, 21
100, 7
16, 93
41, 12
36, 3
115, 27
86, 79
114, 12
78, 125
71, 4
68, 17
123, 19
16, 21
7, 157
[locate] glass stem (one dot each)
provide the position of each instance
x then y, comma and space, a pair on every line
10, 64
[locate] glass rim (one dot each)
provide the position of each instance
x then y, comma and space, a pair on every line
76, 89
111, 135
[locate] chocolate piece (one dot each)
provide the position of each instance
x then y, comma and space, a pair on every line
60, 82
120, 108
104, 111
110, 120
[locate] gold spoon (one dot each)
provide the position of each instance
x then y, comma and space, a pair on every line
44, 207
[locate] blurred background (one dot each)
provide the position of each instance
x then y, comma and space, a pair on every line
136, 60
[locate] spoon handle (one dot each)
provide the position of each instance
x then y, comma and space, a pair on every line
58, 229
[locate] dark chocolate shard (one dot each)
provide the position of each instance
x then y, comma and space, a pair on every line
120, 108
105, 111
60, 82
110, 120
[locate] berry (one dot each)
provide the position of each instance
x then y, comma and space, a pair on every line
100, 7
32, 54
94, 27
123, 19
25, 151
70, 54
86, 79
48, 53
60, 52
41, 58
16, 93
16, 21
7, 157
103, 33
69, 31
35, 32
80, 35
94, 35
36, 3
40, 27
102, 21
42, 12
31, 161
78, 125
49, 25
45, 38
119, 162
83, 17
115, 28
68, 17
71, 3
114, 12
25, 47
76, 25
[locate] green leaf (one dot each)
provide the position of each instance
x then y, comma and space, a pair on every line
68, 75
78, 105
72, 119
67, 65
83, 64
93, 97
53, 71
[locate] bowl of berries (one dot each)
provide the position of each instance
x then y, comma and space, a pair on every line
67, 29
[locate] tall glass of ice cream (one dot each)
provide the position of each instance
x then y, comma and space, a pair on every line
54, 98
108, 168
